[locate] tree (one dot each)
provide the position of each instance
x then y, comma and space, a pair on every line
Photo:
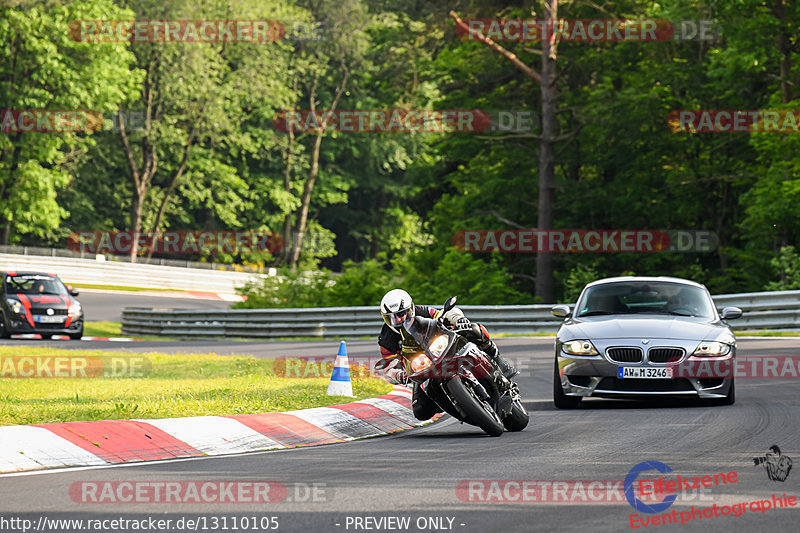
547, 82
42, 68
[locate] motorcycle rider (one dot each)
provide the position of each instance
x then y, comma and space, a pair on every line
394, 341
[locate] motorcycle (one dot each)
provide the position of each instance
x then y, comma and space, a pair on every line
461, 379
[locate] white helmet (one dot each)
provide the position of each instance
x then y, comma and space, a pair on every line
396, 308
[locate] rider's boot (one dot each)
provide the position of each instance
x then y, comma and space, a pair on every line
508, 370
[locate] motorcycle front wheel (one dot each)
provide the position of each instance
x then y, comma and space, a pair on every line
517, 420
478, 411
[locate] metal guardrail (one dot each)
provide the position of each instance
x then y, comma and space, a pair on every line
763, 310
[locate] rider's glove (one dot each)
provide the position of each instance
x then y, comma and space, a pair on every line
463, 323
396, 376
452, 318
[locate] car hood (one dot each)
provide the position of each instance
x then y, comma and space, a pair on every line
44, 300
663, 327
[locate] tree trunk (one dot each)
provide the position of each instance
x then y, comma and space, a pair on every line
308, 188
136, 223
288, 247
547, 156
305, 202
544, 261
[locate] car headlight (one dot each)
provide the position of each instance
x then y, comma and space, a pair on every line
712, 349
438, 345
16, 306
579, 347
74, 309
420, 363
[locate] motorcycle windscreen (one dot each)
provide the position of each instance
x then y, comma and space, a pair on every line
422, 329
425, 330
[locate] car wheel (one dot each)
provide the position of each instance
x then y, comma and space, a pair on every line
561, 400
77, 336
45, 336
4, 333
730, 399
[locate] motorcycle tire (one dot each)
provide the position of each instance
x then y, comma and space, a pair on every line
517, 420
479, 412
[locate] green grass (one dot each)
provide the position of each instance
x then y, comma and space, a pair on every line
102, 329
758, 333
173, 386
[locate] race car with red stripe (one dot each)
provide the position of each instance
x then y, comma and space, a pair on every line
36, 302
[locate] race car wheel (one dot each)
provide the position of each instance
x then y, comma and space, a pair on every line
77, 336
561, 400
4, 334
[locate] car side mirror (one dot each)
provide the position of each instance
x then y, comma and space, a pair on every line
731, 313
449, 304
560, 311
72, 291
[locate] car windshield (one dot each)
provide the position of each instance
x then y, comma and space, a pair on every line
635, 297
34, 285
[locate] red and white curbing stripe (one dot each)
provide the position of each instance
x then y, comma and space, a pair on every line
110, 442
66, 338
218, 296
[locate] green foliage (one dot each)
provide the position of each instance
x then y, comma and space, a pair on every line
578, 277
787, 264
42, 68
286, 289
385, 206
429, 278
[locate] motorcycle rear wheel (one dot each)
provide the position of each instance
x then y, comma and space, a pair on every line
517, 420
479, 412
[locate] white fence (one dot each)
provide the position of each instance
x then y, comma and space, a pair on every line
91, 271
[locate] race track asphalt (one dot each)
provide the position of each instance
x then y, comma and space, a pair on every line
107, 305
416, 474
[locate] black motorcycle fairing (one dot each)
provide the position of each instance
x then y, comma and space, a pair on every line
425, 330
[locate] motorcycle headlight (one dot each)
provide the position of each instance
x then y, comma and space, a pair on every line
579, 347
712, 349
420, 363
438, 345
15, 305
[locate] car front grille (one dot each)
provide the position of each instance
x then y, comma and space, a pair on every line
625, 355
665, 355
43, 311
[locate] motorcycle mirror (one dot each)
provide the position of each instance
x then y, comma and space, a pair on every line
449, 304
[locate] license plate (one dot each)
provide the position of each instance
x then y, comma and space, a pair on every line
46, 319
644, 373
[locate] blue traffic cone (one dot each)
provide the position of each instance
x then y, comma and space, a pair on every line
340, 384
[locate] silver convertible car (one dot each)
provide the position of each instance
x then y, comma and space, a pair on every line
634, 337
